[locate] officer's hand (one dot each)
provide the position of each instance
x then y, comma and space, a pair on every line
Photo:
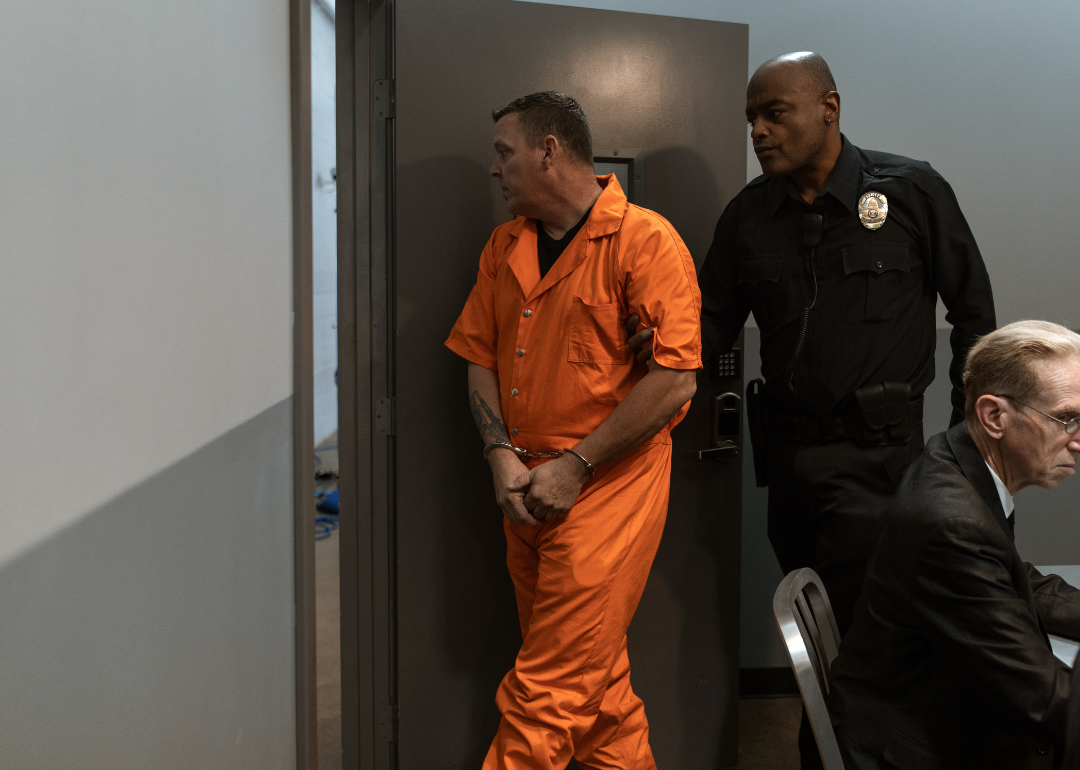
641, 342
511, 479
555, 487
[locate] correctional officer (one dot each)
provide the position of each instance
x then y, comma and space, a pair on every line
577, 434
841, 254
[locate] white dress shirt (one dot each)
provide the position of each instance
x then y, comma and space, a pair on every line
1006, 499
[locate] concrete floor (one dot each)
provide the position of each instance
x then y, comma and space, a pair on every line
768, 727
328, 652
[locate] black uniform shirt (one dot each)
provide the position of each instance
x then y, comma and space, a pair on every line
875, 316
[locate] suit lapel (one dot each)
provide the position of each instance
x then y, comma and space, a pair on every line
974, 467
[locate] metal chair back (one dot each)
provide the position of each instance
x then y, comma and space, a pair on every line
805, 619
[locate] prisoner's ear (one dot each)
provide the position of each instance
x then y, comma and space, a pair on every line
551, 148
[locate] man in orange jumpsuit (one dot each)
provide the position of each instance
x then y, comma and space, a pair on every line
577, 433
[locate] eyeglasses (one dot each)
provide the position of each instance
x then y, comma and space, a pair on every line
1070, 426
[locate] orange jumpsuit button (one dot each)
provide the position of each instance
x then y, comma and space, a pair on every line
521, 352
513, 432
513, 392
528, 313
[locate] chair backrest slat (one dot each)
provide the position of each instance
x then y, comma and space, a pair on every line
808, 626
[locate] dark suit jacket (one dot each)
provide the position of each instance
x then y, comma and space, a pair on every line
947, 664
1071, 760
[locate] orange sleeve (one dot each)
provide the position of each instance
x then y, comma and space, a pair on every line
661, 287
475, 336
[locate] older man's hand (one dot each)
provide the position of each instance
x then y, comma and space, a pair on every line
640, 342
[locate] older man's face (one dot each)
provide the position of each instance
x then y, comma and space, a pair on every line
1039, 449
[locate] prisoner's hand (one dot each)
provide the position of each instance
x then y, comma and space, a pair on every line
511, 479
555, 487
640, 342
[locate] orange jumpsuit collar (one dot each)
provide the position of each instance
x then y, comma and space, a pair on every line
606, 218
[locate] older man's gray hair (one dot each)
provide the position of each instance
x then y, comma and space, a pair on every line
1005, 361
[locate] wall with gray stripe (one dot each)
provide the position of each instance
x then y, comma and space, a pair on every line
157, 631
146, 568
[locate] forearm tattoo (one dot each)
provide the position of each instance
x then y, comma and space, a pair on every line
491, 427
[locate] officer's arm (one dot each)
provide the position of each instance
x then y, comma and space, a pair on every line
723, 307
649, 406
961, 280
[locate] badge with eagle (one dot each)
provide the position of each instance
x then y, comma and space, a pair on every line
873, 208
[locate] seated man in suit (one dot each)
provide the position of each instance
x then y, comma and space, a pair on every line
947, 663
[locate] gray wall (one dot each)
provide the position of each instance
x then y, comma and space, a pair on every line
157, 631
145, 340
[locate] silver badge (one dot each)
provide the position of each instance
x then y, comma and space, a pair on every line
873, 208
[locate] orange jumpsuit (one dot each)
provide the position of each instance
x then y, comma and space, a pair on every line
559, 348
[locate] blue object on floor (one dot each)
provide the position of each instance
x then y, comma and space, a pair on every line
329, 503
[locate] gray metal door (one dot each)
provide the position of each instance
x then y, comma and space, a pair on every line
674, 88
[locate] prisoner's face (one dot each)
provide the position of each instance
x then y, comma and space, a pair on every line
518, 166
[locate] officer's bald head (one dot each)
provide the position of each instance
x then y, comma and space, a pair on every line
793, 110
807, 66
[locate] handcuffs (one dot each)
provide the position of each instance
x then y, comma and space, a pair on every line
525, 454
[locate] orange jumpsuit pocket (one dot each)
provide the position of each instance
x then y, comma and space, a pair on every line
596, 334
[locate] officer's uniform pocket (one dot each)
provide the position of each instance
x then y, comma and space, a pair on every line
596, 334
873, 287
761, 273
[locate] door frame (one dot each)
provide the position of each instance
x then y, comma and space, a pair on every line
366, 316
303, 385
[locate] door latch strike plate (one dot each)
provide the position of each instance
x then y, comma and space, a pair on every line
384, 417
383, 97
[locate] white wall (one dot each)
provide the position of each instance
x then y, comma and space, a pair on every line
324, 217
145, 243
982, 90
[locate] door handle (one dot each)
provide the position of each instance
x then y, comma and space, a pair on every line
725, 451
725, 428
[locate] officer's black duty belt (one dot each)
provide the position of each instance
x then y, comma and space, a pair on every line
807, 429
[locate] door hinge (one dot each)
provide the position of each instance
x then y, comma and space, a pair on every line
384, 416
388, 724
383, 96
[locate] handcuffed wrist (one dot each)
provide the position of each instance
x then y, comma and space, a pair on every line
588, 465
497, 445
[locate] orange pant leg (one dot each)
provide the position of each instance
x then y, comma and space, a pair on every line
619, 737
578, 582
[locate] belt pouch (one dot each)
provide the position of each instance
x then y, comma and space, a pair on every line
885, 413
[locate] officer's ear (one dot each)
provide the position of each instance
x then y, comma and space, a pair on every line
990, 412
831, 102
